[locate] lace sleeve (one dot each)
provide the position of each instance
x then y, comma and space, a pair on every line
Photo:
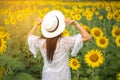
76, 45
32, 42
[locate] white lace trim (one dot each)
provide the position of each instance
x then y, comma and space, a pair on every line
32, 44
78, 45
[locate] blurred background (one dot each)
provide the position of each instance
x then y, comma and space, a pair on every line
99, 59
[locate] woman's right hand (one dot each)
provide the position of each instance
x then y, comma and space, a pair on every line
69, 22
39, 21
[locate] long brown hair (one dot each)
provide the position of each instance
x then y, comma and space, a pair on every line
51, 44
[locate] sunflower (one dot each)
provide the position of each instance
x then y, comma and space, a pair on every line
118, 19
100, 5
102, 42
118, 76
86, 28
65, 33
1, 29
107, 8
96, 32
96, 13
109, 16
88, 10
2, 45
13, 20
6, 21
19, 17
93, 9
3, 33
113, 3
79, 10
42, 15
94, 58
117, 41
115, 15
73, 15
77, 17
67, 13
76, 10
114, 9
90, 13
85, 13
115, 31
74, 63
89, 18
100, 17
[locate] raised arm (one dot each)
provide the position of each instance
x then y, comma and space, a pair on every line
33, 30
85, 35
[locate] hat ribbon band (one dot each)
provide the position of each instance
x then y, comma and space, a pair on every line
56, 26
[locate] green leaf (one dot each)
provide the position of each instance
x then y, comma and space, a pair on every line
84, 78
95, 78
8, 77
75, 78
12, 63
23, 76
89, 71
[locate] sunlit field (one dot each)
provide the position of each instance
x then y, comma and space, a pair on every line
99, 59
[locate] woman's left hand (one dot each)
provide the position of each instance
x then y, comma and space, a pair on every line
39, 21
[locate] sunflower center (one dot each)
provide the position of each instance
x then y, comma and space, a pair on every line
94, 57
74, 63
100, 6
116, 16
20, 18
102, 41
117, 32
13, 20
97, 33
7, 21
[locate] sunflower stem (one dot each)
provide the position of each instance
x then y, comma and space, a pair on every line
93, 72
77, 75
28, 58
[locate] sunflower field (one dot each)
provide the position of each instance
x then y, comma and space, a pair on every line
99, 58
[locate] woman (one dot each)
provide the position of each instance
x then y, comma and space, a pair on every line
55, 48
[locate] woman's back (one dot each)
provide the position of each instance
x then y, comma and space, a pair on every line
58, 69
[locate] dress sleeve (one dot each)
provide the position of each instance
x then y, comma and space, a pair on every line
32, 43
76, 44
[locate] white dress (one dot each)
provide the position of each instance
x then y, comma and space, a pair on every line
59, 68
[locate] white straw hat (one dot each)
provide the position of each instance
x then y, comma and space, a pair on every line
53, 24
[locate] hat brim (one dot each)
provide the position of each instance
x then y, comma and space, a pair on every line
60, 28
